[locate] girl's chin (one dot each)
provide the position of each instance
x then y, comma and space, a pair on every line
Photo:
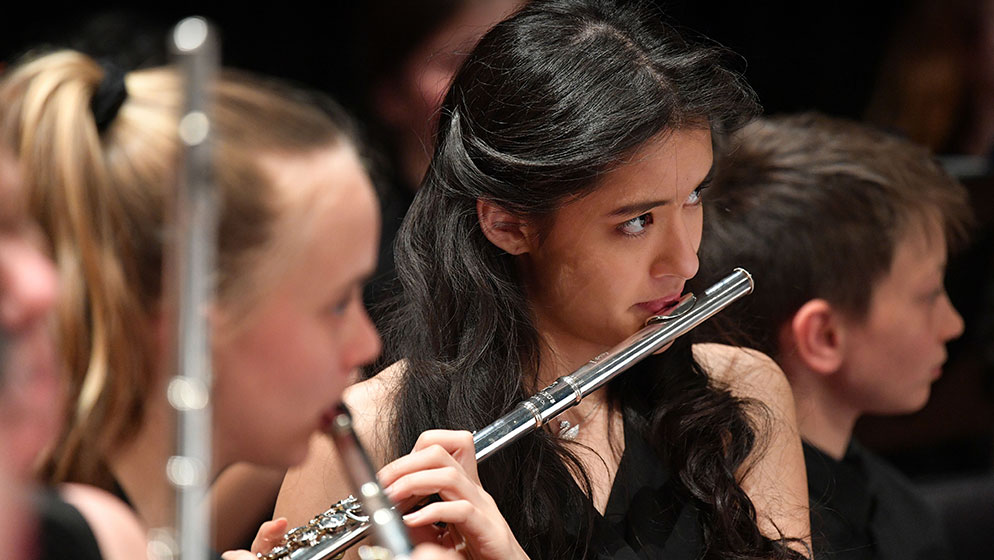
663, 349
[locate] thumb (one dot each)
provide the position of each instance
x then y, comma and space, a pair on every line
270, 535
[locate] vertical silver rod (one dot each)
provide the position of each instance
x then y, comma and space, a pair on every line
192, 270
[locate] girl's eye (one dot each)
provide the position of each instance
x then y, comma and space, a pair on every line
339, 307
636, 226
695, 196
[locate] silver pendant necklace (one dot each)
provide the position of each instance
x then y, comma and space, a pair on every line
569, 431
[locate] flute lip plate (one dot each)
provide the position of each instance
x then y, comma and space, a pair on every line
683, 307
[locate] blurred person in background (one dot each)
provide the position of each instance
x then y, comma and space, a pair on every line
407, 54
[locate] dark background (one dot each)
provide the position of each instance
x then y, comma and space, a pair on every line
801, 55
798, 55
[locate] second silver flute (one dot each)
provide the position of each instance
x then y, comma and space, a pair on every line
563, 394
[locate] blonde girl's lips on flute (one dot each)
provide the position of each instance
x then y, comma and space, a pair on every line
328, 417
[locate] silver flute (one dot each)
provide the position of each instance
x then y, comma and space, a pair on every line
351, 524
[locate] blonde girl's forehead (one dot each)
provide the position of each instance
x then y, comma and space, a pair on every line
306, 190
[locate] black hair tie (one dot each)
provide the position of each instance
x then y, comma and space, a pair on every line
110, 95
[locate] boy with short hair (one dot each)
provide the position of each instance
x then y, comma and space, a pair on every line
846, 230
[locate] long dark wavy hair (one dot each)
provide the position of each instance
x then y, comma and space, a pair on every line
549, 100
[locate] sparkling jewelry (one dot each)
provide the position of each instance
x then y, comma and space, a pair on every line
569, 431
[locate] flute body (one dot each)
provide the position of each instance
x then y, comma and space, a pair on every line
561, 395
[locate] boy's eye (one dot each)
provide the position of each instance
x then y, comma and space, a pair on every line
636, 225
935, 294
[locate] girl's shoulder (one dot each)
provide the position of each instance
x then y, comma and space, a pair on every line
773, 476
373, 403
747, 373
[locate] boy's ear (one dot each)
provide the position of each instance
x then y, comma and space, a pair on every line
819, 336
508, 231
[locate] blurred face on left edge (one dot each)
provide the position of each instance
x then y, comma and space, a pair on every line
278, 375
30, 395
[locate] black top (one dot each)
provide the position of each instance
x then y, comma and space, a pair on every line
63, 533
862, 508
118, 491
646, 515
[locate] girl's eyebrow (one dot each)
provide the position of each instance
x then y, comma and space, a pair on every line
643, 207
637, 207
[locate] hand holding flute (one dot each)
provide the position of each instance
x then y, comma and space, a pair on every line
443, 462
271, 534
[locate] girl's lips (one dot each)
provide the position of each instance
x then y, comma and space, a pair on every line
659, 306
328, 418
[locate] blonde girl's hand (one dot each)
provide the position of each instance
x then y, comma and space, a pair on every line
239, 555
443, 462
428, 551
270, 535
425, 551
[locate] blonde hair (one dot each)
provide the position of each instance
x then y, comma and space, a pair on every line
100, 198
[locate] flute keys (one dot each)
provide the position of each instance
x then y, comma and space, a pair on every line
331, 522
277, 553
309, 538
337, 519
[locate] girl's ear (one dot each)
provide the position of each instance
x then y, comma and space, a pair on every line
508, 231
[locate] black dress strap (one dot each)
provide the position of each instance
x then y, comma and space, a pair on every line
647, 516
63, 531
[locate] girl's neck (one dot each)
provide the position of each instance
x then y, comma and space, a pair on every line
825, 420
599, 426
560, 355
140, 469
140, 466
